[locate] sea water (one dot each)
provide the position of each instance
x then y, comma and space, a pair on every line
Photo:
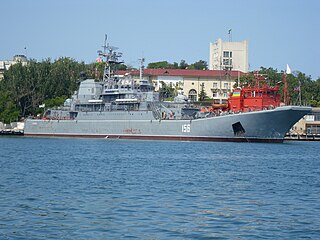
55, 188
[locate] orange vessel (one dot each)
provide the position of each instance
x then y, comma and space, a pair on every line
259, 97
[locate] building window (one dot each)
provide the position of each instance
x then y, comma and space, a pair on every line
215, 85
192, 95
313, 129
225, 86
225, 94
227, 54
215, 94
227, 62
316, 116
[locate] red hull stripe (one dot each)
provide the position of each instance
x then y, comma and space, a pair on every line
174, 138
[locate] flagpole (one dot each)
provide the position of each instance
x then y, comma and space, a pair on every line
230, 35
300, 92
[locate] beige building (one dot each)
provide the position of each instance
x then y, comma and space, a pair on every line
216, 84
6, 64
229, 55
308, 125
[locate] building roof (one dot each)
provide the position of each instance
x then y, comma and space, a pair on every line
181, 72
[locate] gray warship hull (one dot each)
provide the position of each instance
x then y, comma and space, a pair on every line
257, 126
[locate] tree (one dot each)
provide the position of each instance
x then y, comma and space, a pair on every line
272, 75
8, 110
183, 64
175, 65
55, 102
200, 65
202, 94
162, 64
30, 85
167, 92
247, 79
19, 83
310, 90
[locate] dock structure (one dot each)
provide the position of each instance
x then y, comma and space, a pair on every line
303, 137
11, 132
15, 128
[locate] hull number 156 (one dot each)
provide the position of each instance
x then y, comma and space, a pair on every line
186, 128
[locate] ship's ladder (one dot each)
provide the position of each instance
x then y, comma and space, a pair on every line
155, 110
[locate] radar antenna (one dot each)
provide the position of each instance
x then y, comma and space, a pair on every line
111, 58
105, 43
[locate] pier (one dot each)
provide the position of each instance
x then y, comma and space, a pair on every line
11, 132
14, 129
302, 137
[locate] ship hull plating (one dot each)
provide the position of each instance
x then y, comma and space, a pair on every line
258, 126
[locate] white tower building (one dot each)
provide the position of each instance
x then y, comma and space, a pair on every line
229, 56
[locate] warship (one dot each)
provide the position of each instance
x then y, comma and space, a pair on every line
119, 107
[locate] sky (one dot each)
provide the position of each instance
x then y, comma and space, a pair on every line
279, 32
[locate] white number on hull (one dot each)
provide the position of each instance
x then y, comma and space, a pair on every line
186, 128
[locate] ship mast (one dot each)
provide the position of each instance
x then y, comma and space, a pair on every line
111, 58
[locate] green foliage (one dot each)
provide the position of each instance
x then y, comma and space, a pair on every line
314, 103
202, 95
247, 80
272, 75
175, 65
162, 64
8, 110
167, 92
310, 90
200, 65
96, 70
183, 64
30, 85
122, 67
55, 102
